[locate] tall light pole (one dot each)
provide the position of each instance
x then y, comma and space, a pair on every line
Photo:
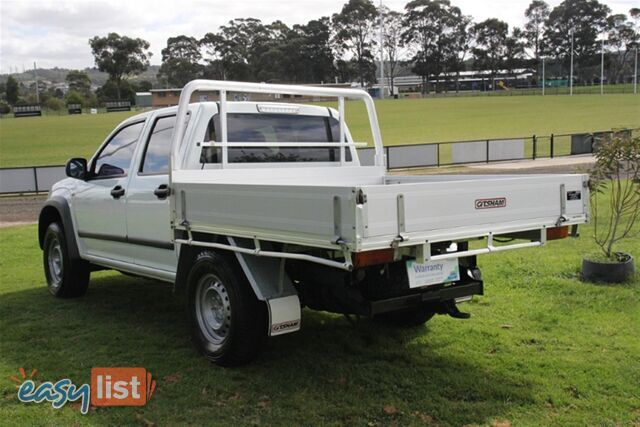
635, 74
571, 31
35, 77
543, 77
381, 51
602, 67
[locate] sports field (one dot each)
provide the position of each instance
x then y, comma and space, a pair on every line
542, 349
53, 139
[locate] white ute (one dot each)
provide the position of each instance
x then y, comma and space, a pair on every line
256, 209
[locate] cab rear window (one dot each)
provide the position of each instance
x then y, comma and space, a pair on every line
255, 128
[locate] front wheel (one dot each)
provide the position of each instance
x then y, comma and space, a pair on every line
66, 277
228, 323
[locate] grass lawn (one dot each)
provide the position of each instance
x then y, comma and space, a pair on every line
54, 139
542, 348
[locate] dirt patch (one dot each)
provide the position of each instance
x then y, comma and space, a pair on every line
15, 210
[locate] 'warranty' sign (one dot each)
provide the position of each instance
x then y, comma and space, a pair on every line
432, 272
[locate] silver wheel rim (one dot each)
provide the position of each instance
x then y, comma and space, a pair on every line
55, 262
213, 308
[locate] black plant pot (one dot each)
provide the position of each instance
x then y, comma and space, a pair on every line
594, 271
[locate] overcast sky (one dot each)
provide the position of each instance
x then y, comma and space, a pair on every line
55, 32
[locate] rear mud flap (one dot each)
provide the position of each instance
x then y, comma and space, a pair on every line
284, 315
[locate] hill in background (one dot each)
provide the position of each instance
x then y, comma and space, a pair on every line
58, 75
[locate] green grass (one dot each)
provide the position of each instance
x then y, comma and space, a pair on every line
456, 119
54, 139
542, 348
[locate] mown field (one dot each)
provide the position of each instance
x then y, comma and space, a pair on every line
541, 348
53, 139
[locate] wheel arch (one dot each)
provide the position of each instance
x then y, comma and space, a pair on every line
57, 209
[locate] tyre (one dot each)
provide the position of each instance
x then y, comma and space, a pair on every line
406, 318
66, 278
228, 323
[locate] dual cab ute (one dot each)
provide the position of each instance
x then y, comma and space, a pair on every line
257, 209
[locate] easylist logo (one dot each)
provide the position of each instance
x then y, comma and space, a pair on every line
109, 387
498, 202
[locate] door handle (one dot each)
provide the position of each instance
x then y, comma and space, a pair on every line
162, 191
117, 192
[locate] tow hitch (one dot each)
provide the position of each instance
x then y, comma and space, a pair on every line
452, 310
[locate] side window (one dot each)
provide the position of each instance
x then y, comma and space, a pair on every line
115, 157
156, 155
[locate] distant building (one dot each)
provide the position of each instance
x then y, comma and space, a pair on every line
479, 80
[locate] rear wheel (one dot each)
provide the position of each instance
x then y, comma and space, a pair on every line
66, 278
406, 318
228, 323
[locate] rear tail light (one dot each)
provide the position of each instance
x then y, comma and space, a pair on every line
555, 233
365, 259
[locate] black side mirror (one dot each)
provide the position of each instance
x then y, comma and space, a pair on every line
76, 168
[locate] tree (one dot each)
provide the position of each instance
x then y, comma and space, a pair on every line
460, 46
110, 91
587, 18
514, 50
316, 51
353, 28
392, 43
536, 15
490, 48
79, 81
430, 31
235, 48
143, 86
54, 104
617, 170
73, 97
120, 56
12, 90
180, 60
622, 39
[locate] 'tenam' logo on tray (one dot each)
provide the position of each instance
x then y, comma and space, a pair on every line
497, 202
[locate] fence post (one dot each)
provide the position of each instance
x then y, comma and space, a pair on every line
438, 153
388, 158
551, 146
35, 178
535, 146
487, 151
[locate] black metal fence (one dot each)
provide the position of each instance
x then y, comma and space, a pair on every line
490, 150
40, 178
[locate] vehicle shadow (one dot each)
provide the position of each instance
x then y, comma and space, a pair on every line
331, 371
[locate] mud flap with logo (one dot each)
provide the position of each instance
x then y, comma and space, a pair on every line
284, 315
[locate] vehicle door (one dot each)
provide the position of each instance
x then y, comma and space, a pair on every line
148, 214
99, 202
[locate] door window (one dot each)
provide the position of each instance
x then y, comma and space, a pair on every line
115, 158
156, 156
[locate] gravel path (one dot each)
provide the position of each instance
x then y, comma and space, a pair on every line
20, 210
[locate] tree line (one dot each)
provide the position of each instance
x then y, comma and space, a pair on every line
432, 38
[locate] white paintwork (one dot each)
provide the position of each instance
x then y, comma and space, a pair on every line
310, 205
